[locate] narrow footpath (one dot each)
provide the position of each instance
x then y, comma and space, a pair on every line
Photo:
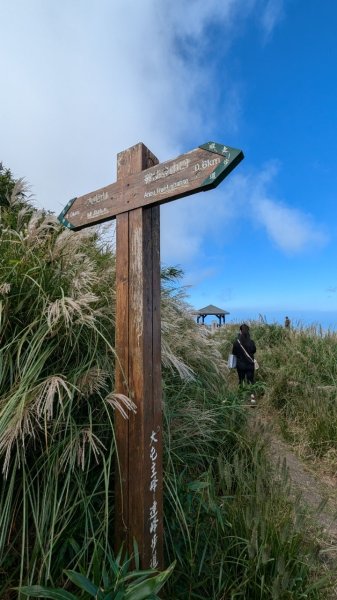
318, 496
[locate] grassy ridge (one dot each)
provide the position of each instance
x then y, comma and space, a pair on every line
230, 528
299, 379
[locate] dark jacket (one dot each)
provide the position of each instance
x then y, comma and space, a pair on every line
243, 361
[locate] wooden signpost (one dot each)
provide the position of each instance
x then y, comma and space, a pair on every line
134, 200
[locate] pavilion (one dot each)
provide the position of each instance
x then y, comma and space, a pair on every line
211, 310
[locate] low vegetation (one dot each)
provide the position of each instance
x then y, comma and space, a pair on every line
230, 527
297, 380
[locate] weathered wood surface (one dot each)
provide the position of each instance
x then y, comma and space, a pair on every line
199, 170
134, 200
139, 511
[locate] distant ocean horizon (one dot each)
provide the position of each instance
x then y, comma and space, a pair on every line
327, 320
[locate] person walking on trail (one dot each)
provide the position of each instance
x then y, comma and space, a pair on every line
244, 349
287, 323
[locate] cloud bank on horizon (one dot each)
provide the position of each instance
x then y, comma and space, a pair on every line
84, 82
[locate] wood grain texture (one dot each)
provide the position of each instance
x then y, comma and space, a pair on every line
139, 513
122, 377
142, 186
156, 354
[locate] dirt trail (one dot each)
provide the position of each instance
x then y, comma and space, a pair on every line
318, 496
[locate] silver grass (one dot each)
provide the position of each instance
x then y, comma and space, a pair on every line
39, 226
121, 403
22, 424
185, 345
192, 422
52, 389
5, 288
78, 448
173, 362
23, 214
19, 190
56, 313
92, 381
84, 275
88, 438
88, 319
68, 244
68, 309
55, 373
11, 235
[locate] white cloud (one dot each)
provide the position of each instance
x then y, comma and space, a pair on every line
212, 218
271, 15
292, 230
86, 80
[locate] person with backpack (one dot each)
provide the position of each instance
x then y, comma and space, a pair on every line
244, 349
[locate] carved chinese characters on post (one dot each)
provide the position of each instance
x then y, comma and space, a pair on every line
153, 516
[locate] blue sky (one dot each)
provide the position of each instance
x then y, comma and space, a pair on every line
82, 81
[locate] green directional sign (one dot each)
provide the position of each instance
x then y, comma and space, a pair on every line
199, 170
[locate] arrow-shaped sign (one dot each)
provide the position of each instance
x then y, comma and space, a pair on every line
134, 199
199, 170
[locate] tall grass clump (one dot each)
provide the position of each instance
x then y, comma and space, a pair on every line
189, 351
228, 519
56, 405
57, 309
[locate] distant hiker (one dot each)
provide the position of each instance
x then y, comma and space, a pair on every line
244, 349
287, 323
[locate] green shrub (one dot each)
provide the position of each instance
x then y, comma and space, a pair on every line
112, 580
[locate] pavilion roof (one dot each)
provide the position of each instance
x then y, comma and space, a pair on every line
211, 310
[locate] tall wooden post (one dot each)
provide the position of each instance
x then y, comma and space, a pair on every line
134, 201
139, 494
